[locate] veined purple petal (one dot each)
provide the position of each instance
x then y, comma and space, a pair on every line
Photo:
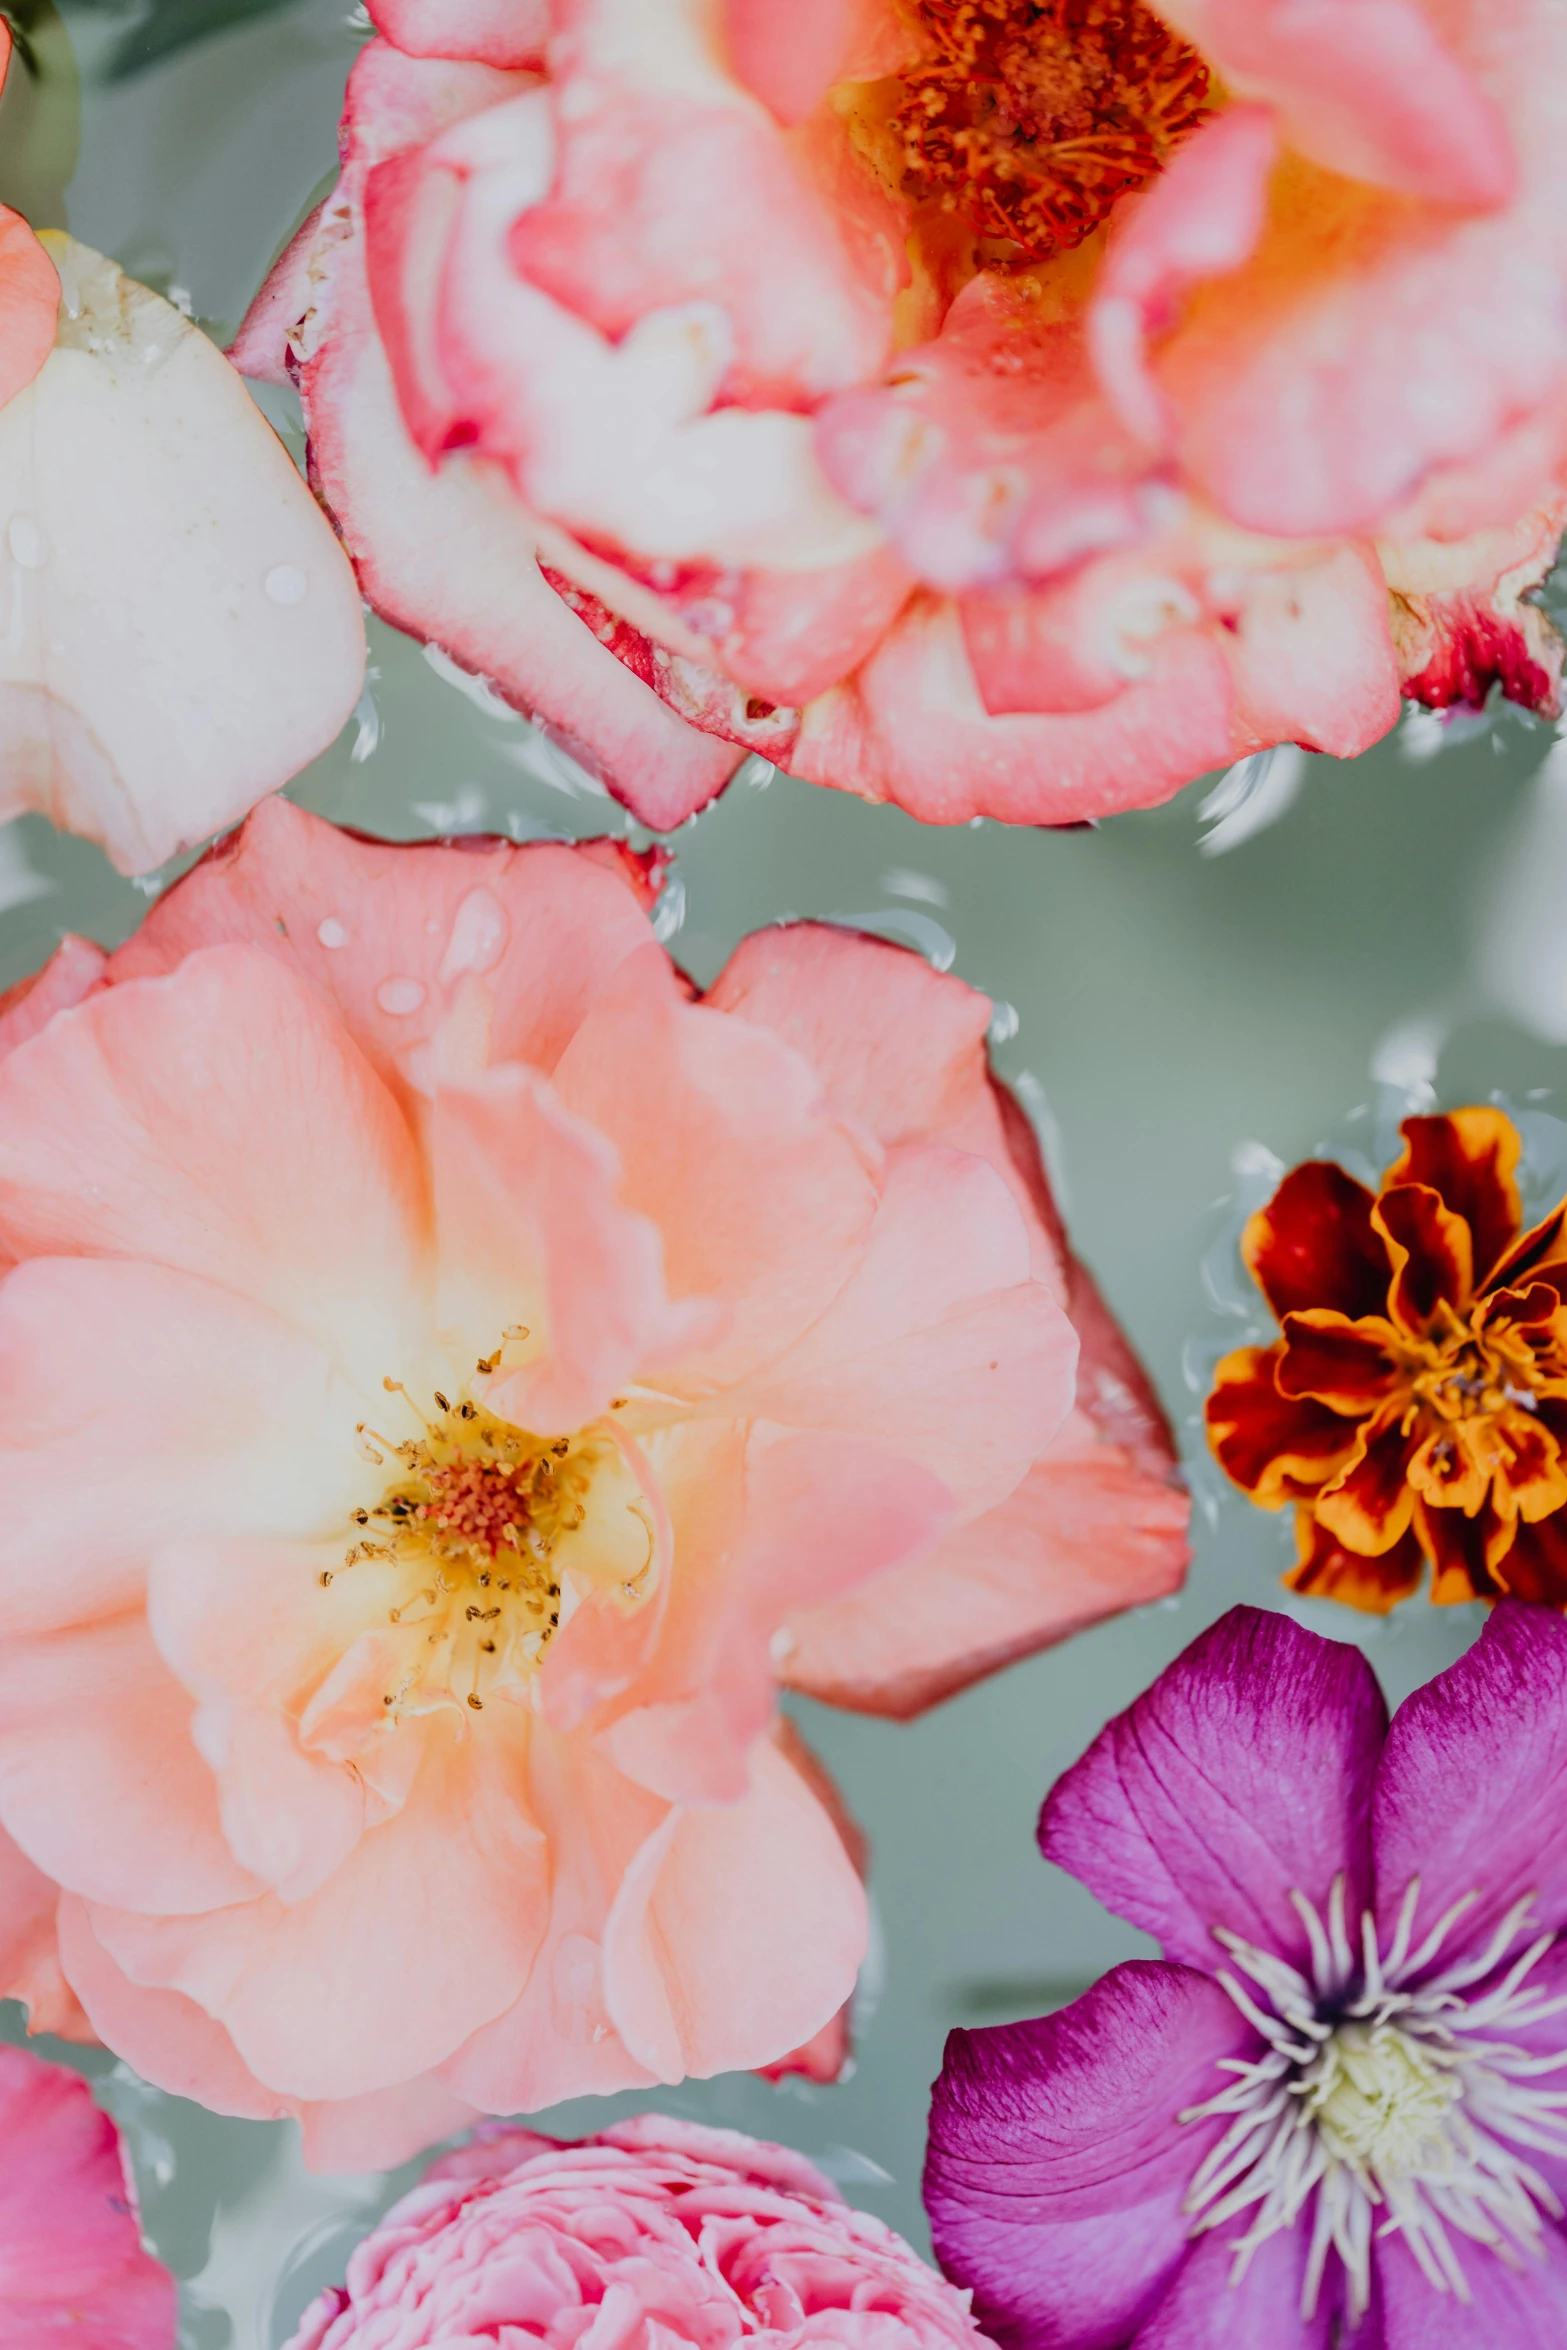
1472, 1792
1509, 2308
1203, 2310
1242, 1775
1057, 2165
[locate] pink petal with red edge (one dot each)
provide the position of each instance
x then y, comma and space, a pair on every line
1057, 2166
1201, 216
737, 1931
29, 302
822, 1514
140, 1406
303, 1989
1087, 1533
1469, 1796
264, 348
531, 1231
763, 1198
1367, 87
1242, 1776
911, 726
507, 33
72, 2263
119, 1125
100, 1781
451, 556
524, 938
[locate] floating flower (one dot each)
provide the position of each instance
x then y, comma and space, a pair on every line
1333, 2115
72, 2266
453, 1374
1415, 1408
655, 2232
180, 632
1008, 407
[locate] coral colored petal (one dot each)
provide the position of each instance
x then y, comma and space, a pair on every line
411, 941
1348, 1365
558, 2039
940, 1344
1274, 1447
1243, 1775
1469, 1158
1431, 1252
383, 2128
763, 1199
100, 1781
139, 1405
304, 1989
1209, 2307
186, 634
506, 33
531, 1233
29, 1947
737, 1932
29, 301
1327, 1570
822, 1514
1367, 87
120, 1125
1088, 1532
1057, 2167
1472, 1790
72, 2263
74, 970
1314, 1244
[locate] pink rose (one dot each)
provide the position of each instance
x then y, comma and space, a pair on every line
72, 2267
452, 1374
1008, 407
655, 2233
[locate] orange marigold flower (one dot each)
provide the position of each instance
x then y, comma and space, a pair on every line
1415, 1407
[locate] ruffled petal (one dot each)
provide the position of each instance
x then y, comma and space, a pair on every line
1471, 1795
1535, 1565
304, 1990
505, 33
221, 1123
1465, 1551
1057, 2165
1090, 1530
1274, 1447
1371, 1506
737, 1932
1469, 1158
1242, 1776
1350, 1366
1433, 1263
186, 633
1326, 1569
1314, 1244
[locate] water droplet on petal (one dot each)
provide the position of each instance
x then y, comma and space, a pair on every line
333, 933
481, 931
26, 542
285, 583
400, 996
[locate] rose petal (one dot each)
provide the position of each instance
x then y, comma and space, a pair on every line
29, 300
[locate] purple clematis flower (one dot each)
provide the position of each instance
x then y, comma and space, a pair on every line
1334, 2116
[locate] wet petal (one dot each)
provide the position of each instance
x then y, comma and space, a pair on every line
1314, 1244
1469, 1159
1431, 1253
1243, 1775
1057, 2166
1275, 1447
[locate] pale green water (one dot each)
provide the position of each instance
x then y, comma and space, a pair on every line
1171, 1007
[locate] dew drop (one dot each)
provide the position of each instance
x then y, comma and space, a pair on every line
481, 931
285, 583
26, 542
400, 996
333, 933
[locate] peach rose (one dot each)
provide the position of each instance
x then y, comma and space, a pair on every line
653, 2234
72, 2265
179, 630
453, 1373
1006, 407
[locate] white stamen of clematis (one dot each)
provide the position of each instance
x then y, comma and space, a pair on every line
1388, 2096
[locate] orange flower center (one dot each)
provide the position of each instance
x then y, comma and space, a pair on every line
1029, 118
478, 1531
1465, 1384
